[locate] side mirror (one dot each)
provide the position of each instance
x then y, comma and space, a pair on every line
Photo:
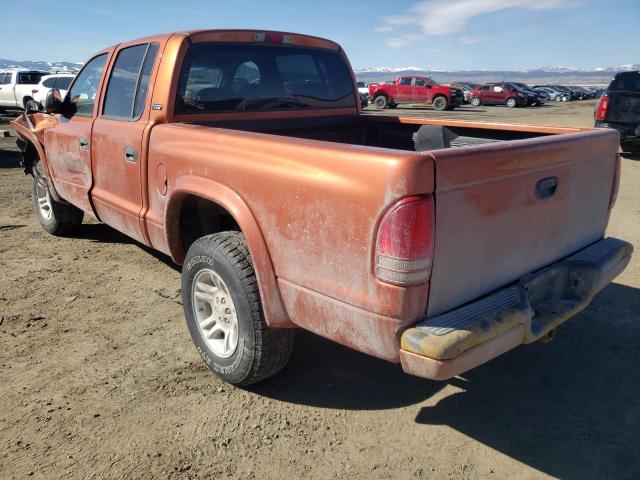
53, 103
429, 86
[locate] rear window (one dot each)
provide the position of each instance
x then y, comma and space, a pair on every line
231, 77
49, 82
29, 78
626, 82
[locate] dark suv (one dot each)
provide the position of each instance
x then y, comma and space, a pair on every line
619, 108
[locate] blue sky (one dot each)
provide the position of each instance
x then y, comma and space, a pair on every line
434, 34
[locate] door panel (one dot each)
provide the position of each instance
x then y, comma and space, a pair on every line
68, 144
117, 141
69, 162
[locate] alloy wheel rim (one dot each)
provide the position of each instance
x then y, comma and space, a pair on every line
215, 313
43, 197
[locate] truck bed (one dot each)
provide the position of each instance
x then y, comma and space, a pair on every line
493, 224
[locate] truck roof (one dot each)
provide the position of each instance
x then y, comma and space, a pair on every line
240, 35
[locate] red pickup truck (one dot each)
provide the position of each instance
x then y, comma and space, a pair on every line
437, 244
415, 90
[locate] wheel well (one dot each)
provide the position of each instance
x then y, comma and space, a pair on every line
29, 155
381, 94
199, 217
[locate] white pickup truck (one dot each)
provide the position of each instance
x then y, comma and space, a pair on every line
17, 86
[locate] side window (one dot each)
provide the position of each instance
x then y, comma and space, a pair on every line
123, 81
498, 89
85, 88
63, 83
420, 83
4, 78
405, 81
143, 82
50, 82
485, 88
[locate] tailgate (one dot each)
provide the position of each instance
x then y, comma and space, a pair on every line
624, 107
506, 209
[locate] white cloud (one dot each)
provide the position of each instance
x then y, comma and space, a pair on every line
451, 17
384, 28
471, 40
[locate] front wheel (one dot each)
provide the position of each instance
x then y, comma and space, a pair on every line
381, 102
224, 313
56, 218
475, 102
511, 102
31, 106
440, 103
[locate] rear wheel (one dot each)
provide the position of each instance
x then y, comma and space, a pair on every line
381, 102
511, 102
56, 218
475, 102
440, 103
224, 313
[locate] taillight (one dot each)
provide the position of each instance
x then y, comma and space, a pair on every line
601, 109
404, 250
616, 183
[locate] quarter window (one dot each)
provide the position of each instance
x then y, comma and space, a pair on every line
49, 82
85, 88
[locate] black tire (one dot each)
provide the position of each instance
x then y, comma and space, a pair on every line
475, 101
381, 102
32, 105
56, 218
440, 103
261, 351
511, 102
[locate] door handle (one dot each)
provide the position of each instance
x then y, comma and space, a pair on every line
546, 187
84, 143
131, 154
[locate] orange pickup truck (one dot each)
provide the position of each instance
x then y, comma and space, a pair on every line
437, 244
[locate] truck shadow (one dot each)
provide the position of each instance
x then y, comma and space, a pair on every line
570, 408
9, 158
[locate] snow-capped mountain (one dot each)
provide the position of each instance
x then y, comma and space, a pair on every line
41, 65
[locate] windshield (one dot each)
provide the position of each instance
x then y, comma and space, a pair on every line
229, 77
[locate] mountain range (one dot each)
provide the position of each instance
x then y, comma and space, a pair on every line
597, 75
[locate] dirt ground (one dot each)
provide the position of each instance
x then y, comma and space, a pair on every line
100, 378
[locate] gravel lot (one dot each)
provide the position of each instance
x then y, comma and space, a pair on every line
100, 378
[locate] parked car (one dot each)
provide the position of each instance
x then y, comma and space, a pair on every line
288, 208
17, 86
411, 89
554, 94
363, 87
59, 81
466, 87
619, 108
570, 94
534, 98
499, 94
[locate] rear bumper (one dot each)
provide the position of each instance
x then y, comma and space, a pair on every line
452, 343
629, 133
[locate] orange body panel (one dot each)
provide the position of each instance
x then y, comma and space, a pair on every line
309, 209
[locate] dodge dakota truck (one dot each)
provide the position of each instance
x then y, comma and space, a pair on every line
415, 90
243, 155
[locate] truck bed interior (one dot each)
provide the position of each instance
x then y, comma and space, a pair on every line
383, 132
